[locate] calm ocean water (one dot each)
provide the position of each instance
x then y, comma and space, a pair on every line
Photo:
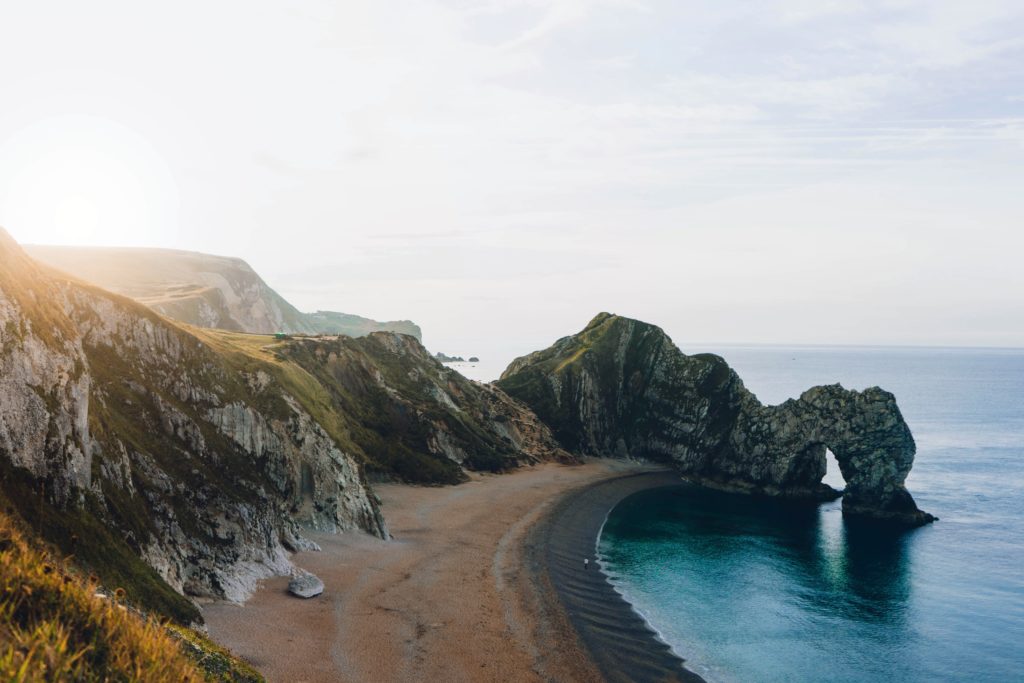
754, 590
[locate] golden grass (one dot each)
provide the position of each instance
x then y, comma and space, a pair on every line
248, 352
258, 346
54, 628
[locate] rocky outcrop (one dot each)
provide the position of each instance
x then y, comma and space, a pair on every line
621, 388
204, 290
178, 461
864, 430
415, 420
152, 455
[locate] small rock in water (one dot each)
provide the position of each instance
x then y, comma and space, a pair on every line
305, 585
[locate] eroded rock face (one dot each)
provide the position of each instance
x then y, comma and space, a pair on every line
621, 388
864, 430
415, 419
134, 439
190, 461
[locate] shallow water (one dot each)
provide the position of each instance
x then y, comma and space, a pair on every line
755, 590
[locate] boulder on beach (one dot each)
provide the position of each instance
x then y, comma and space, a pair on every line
305, 585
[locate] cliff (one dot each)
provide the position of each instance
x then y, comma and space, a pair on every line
411, 418
332, 322
203, 290
178, 461
622, 388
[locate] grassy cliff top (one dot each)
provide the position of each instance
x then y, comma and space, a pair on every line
601, 335
203, 289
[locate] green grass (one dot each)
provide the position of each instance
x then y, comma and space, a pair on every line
53, 627
334, 380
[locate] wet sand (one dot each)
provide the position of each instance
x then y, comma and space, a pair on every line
459, 594
617, 639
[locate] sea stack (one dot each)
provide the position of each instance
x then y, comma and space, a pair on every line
621, 388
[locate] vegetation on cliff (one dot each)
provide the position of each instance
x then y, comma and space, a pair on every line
58, 626
385, 400
204, 290
180, 462
621, 388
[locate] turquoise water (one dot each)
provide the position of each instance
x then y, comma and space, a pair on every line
756, 590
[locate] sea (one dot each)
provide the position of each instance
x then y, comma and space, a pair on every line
749, 589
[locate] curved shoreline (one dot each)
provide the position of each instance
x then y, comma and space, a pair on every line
619, 641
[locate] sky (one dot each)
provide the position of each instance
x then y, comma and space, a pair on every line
788, 172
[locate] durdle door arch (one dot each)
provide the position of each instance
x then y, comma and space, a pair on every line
621, 388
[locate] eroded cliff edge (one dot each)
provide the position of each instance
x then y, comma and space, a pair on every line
621, 388
179, 462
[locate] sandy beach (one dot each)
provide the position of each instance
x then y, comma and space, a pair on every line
455, 596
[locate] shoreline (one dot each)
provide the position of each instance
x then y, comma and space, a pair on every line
615, 637
454, 596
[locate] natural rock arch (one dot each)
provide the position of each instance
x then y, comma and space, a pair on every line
864, 430
621, 388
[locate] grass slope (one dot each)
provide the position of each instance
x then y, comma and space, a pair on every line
55, 627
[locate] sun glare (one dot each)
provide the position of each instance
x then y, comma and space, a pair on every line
76, 217
82, 180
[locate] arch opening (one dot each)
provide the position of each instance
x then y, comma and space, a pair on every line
833, 475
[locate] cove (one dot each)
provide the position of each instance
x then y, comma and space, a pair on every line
753, 589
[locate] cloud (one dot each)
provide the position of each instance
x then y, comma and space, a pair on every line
672, 146
946, 34
557, 15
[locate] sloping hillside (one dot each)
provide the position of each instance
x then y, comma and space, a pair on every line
136, 447
414, 419
203, 290
58, 626
177, 461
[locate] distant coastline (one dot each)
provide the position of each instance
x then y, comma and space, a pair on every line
619, 641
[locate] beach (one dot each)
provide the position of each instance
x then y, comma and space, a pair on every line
619, 642
463, 592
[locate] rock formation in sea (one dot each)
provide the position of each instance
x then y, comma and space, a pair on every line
621, 388
204, 290
175, 461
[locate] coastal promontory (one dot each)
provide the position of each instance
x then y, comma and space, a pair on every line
621, 388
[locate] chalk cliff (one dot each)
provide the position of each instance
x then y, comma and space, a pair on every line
622, 388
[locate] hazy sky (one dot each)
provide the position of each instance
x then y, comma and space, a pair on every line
794, 171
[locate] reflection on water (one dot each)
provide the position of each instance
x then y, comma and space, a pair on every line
766, 591
764, 579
